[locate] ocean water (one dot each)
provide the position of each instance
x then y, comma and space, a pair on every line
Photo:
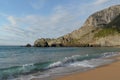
22, 63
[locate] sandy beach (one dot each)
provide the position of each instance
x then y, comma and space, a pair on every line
107, 72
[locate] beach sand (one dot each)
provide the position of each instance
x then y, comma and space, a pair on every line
108, 72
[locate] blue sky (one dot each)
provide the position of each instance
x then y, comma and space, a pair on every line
24, 21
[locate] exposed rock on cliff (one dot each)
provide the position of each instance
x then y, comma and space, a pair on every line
100, 29
98, 19
41, 43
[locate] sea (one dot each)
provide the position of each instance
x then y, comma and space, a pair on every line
27, 63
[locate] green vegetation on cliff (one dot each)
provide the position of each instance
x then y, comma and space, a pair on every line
106, 32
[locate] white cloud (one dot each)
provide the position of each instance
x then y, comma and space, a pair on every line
12, 20
100, 2
32, 27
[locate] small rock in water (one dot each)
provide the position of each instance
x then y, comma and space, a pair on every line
28, 45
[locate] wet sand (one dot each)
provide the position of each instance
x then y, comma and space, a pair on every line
107, 72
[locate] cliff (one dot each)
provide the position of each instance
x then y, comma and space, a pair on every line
100, 29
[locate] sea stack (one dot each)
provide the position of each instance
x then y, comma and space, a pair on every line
28, 45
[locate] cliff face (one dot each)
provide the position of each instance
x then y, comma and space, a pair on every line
98, 19
103, 17
100, 29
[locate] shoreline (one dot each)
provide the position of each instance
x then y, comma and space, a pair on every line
92, 74
106, 72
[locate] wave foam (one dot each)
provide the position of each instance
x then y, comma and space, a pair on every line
82, 64
81, 60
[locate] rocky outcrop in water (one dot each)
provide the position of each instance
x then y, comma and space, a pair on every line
28, 45
100, 29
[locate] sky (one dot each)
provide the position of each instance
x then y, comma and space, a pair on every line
24, 21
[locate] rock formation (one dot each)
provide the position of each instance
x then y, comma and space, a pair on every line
100, 29
41, 43
28, 45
